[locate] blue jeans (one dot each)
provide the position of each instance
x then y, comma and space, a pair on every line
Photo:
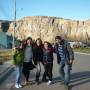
64, 72
38, 66
18, 74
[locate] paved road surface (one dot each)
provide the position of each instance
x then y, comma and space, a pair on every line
80, 79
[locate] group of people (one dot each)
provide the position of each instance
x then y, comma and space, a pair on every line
29, 55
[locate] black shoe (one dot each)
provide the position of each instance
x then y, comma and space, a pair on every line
38, 82
44, 80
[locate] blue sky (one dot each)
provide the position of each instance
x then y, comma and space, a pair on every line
68, 9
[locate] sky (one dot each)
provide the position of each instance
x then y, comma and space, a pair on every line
68, 9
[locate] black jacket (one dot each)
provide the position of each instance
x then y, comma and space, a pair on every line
37, 53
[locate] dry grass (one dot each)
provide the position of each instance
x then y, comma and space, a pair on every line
5, 55
82, 49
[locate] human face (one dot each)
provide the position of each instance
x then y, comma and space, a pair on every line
46, 45
58, 41
38, 42
29, 41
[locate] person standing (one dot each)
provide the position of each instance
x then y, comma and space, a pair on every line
66, 56
28, 56
18, 62
48, 61
38, 57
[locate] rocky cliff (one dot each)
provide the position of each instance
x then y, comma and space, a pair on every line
48, 27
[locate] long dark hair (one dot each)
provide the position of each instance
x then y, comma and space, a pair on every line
49, 44
25, 42
50, 48
41, 44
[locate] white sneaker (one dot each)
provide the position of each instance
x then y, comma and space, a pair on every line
49, 82
20, 86
17, 86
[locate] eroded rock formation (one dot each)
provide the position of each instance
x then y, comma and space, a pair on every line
48, 27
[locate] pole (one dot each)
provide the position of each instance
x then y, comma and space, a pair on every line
14, 23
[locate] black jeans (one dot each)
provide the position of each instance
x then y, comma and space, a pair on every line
48, 71
26, 70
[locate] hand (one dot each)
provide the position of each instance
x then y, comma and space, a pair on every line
14, 66
71, 62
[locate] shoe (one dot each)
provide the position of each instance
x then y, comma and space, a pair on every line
38, 83
66, 87
49, 82
17, 86
20, 86
27, 81
44, 80
62, 82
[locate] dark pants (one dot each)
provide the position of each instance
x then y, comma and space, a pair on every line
26, 70
48, 71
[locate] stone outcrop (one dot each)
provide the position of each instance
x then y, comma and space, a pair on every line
48, 27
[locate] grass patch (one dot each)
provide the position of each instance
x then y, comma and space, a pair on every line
5, 55
82, 49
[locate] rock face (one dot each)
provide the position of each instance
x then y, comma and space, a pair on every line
48, 27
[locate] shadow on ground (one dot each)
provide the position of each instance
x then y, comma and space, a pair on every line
77, 79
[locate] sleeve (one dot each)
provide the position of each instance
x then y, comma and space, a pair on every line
57, 53
14, 58
55, 48
70, 51
34, 55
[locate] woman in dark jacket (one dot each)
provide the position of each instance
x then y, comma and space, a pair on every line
48, 61
38, 57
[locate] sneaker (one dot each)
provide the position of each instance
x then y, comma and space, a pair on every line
20, 86
17, 86
49, 82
